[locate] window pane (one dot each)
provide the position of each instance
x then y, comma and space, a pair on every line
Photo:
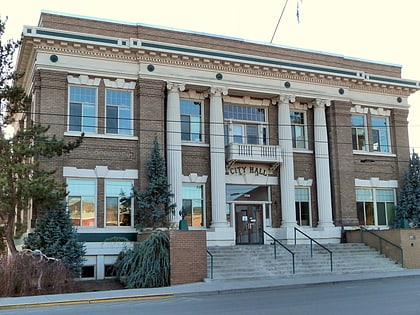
112, 211
75, 206
252, 134
390, 210
302, 194
361, 213
197, 213
364, 195
75, 117
89, 119
370, 218
305, 220
88, 211
195, 128
380, 209
112, 119
237, 134
380, 134
385, 195
185, 128
244, 113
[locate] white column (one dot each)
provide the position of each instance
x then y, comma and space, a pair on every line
322, 164
217, 157
173, 147
287, 182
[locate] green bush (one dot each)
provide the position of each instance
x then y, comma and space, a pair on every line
147, 265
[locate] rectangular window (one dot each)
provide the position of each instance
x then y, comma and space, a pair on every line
358, 132
375, 206
82, 201
82, 109
380, 134
193, 204
303, 206
191, 117
119, 106
245, 124
117, 213
297, 119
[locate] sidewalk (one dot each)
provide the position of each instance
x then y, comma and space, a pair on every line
198, 288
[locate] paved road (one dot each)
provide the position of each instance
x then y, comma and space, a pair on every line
381, 296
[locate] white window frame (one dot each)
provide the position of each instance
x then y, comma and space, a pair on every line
83, 105
119, 133
299, 220
127, 193
365, 130
93, 196
387, 130
375, 205
305, 130
201, 123
203, 200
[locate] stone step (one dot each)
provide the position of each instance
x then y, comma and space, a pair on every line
257, 261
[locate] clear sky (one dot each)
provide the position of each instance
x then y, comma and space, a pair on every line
378, 30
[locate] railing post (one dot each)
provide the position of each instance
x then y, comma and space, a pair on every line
295, 236
380, 246
293, 262
311, 249
275, 251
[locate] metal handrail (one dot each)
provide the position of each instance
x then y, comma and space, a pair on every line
380, 238
316, 242
211, 263
275, 241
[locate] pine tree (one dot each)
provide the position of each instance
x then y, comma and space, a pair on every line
408, 207
154, 204
22, 181
55, 236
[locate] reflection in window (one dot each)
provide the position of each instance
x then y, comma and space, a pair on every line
82, 109
297, 120
119, 112
358, 131
82, 201
375, 206
117, 213
303, 208
380, 134
192, 204
191, 121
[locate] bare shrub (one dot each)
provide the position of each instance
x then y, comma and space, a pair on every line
32, 273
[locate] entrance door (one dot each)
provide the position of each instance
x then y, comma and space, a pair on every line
249, 226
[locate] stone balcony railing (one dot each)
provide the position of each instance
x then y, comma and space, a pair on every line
253, 153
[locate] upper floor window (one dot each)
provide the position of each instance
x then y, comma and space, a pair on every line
380, 137
358, 132
82, 201
375, 206
82, 109
191, 121
117, 213
119, 106
299, 139
303, 206
245, 124
193, 204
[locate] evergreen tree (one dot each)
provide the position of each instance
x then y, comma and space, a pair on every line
409, 203
55, 236
22, 181
154, 204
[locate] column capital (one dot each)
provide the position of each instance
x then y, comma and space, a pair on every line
320, 103
286, 98
218, 90
175, 86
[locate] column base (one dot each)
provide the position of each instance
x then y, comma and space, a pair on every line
221, 236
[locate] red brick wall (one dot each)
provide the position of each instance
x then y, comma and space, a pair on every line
188, 256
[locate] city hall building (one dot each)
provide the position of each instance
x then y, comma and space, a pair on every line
257, 138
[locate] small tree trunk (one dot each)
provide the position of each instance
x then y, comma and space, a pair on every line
10, 232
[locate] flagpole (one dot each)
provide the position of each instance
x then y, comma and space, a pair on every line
278, 22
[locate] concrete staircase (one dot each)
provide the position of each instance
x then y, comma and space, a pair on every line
257, 261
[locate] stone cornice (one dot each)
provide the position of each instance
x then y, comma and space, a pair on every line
246, 66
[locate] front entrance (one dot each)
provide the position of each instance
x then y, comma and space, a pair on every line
249, 224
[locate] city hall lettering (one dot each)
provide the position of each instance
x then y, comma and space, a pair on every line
245, 170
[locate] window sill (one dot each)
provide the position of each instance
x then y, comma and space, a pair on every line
100, 136
387, 154
194, 144
305, 151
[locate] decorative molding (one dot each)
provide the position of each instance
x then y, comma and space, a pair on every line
193, 95
218, 90
286, 98
380, 112
299, 106
359, 109
246, 100
375, 182
119, 84
194, 178
83, 80
300, 181
99, 172
320, 103
175, 86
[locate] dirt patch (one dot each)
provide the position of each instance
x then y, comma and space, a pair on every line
97, 285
